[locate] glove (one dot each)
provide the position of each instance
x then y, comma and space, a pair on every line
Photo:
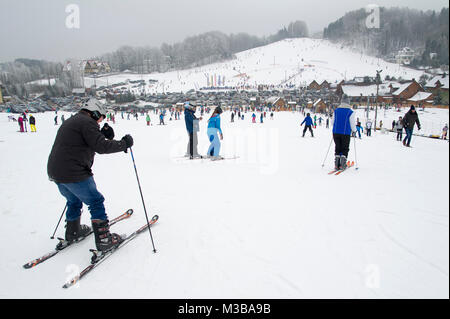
128, 140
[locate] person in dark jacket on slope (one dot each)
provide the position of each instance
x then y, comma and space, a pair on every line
192, 127
409, 120
69, 166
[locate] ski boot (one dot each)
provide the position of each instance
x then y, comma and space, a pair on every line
104, 240
337, 162
343, 162
75, 231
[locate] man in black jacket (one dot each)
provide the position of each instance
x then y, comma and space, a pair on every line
409, 120
69, 166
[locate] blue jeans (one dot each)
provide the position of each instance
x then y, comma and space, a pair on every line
408, 137
214, 148
83, 192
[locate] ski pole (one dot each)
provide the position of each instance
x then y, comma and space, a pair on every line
143, 203
356, 159
327, 152
53, 236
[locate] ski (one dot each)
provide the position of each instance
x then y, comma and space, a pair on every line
64, 244
343, 170
98, 257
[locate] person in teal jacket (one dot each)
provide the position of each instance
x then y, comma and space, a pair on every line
214, 131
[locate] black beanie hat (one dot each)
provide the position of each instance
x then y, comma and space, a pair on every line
412, 107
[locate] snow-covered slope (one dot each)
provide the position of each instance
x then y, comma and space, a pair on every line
271, 224
291, 61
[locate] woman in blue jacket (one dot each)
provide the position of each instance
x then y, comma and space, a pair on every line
213, 131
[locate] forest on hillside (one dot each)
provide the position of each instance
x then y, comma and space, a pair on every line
425, 32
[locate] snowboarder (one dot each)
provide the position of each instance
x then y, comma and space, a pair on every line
32, 123
399, 128
308, 121
409, 120
344, 125
69, 166
444, 132
192, 127
213, 131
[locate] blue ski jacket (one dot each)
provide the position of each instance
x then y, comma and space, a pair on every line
344, 121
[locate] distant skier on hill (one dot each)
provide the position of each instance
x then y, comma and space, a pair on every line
308, 121
409, 120
343, 126
253, 118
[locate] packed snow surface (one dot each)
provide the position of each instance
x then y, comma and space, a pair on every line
270, 224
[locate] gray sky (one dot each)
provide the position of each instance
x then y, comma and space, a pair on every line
37, 28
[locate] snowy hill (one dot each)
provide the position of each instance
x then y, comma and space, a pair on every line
270, 224
291, 61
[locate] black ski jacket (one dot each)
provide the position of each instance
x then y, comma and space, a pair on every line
72, 154
410, 119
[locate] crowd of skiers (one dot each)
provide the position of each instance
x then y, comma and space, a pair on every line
79, 138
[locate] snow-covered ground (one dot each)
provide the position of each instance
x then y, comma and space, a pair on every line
270, 224
291, 61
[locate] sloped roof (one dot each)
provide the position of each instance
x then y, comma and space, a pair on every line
420, 96
443, 80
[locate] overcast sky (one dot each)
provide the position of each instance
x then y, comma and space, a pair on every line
37, 28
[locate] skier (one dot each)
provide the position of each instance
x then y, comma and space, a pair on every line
148, 119
369, 127
56, 120
344, 125
262, 118
213, 131
20, 121
359, 128
232, 117
32, 123
444, 132
399, 128
192, 127
409, 120
327, 123
271, 115
161, 118
107, 131
69, 166
62, 118
308, 121
253, 118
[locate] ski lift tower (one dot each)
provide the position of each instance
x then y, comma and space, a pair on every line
378, 82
